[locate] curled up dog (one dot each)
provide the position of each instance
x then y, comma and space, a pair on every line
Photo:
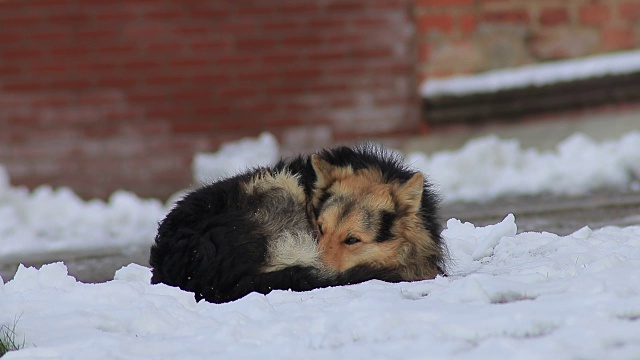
341, 216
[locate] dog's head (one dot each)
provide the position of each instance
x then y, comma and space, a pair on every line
364, 219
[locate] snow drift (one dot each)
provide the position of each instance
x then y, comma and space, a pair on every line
487, 168
525, 296
509, 295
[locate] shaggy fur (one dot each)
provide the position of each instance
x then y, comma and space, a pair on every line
292, 227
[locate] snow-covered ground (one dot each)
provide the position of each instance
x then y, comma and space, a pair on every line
534, 75
509, 295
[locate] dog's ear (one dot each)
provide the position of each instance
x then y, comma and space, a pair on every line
322, 169
325, 172
410, 193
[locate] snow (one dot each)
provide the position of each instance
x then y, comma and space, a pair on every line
49, 221
534, 75
234, 157
509, 295
487, 168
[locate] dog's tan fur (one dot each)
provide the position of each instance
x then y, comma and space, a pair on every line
353, 212
281, 215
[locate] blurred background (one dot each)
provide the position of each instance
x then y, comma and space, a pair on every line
100, 95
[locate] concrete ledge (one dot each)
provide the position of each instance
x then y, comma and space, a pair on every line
518, 103
533, 89
558, 215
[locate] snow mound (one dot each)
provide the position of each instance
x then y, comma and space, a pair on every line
488, 167
48, 221
235, 157
528, 295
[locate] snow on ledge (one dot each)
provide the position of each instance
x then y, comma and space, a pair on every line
534, 75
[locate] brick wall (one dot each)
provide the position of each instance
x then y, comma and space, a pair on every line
467, 36
100, 95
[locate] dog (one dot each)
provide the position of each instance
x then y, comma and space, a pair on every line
340, 216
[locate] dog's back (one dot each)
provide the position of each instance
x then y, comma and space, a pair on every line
246, 233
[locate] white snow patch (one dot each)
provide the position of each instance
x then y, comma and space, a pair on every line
235, 157
534, 75
489, 167
532, 296
486, 246
46, 221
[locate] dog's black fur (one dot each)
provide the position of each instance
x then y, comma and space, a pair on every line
211, 244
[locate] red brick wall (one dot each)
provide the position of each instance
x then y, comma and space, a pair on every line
100, 95
467, 36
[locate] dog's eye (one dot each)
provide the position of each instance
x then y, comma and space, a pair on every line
351, 241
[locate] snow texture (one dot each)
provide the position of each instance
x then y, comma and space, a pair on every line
534, 75
524, 296
234, 157
487, 168
509, 295
48, 221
